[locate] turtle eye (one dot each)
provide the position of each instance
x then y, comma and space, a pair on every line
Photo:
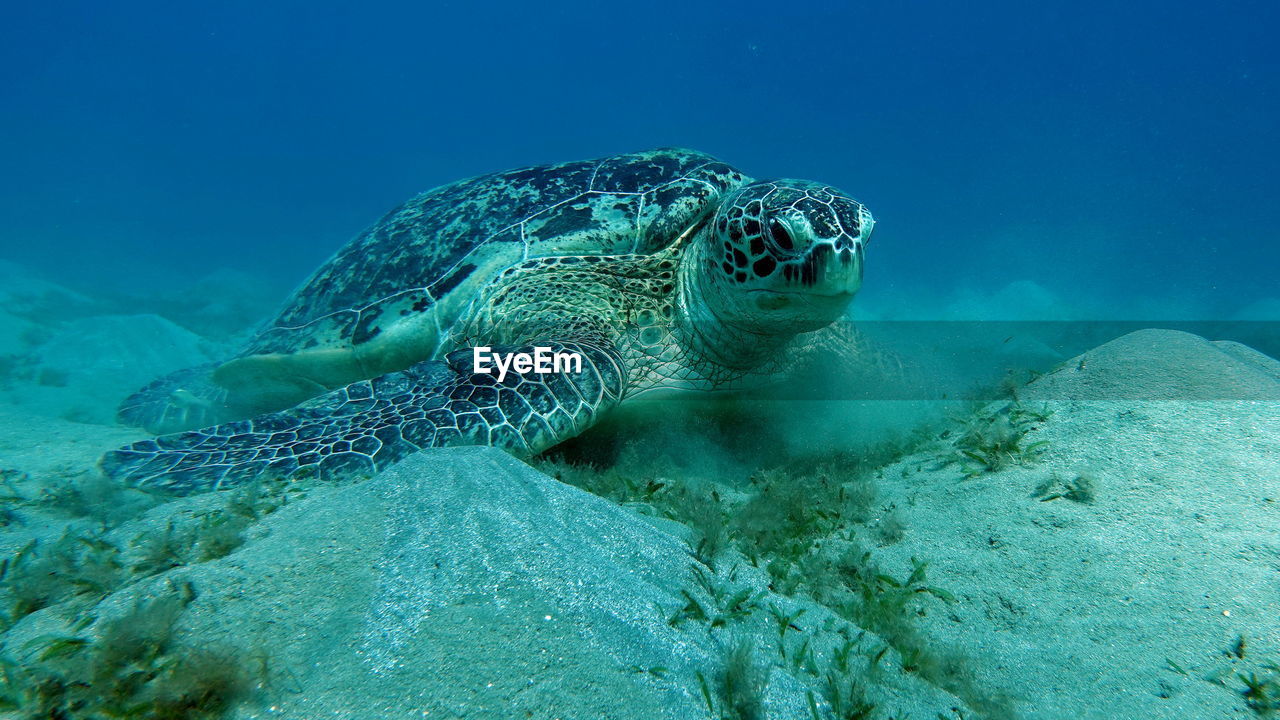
781, 235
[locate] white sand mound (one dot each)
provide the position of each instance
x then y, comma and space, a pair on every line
462, 583
28, 304
1163, 365
25, 293
1129, 604
89, 365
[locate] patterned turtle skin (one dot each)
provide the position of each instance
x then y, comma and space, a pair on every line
665, 269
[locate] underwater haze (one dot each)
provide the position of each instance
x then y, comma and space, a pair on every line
1121, 156
1014, 456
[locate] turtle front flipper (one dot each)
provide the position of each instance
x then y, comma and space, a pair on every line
366, 426
178, 401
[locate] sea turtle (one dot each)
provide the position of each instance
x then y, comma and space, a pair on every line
658, 269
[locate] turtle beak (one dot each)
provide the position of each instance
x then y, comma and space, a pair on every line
830, 269
844, 269
817, 290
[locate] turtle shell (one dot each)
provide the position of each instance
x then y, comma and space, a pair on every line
385, 299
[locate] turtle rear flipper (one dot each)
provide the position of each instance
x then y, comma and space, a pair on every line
179, 401
366, 426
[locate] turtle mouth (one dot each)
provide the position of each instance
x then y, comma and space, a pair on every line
808, 300
835, 294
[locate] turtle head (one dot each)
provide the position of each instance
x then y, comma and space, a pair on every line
785, 256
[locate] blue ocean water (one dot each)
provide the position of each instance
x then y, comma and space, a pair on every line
1097, 551
1121, 157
